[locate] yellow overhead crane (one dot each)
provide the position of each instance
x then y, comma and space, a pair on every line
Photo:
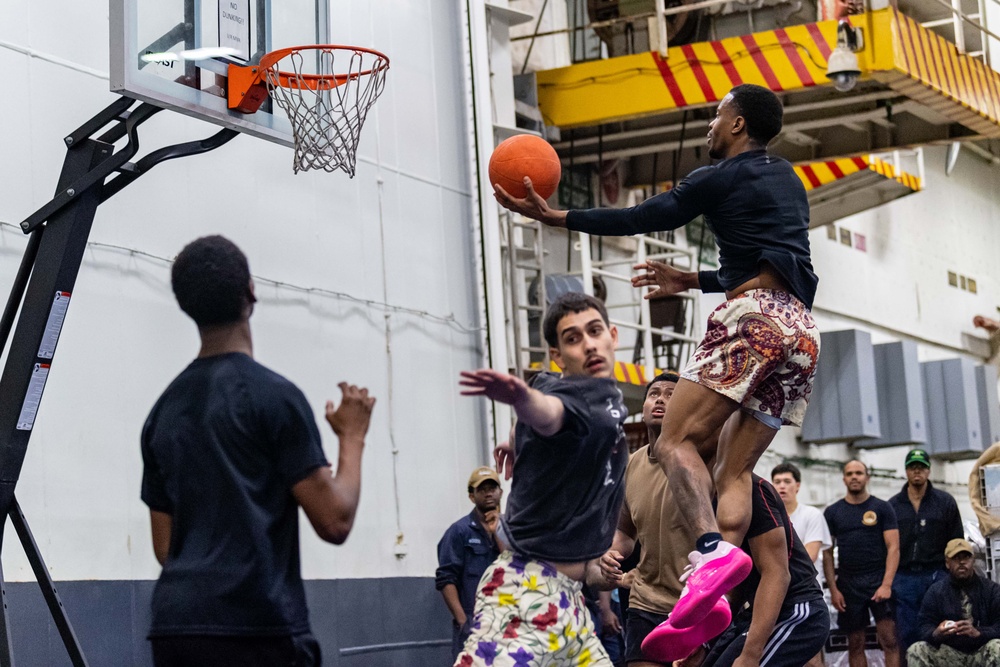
898, 55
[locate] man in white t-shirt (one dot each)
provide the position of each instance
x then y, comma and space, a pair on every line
808, 522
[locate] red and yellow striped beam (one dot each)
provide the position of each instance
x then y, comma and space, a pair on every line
898, 52
625, 373
817, 174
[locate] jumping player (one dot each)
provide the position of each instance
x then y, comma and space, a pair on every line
650, 515
570, 453
753, 371
230, 452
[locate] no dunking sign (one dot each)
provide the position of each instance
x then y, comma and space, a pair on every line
234, 27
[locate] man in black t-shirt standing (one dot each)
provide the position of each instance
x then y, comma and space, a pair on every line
567, 458
230, 452
866, 536
787, 621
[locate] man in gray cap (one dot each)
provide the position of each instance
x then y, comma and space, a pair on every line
960, 616
928, 518
466, 550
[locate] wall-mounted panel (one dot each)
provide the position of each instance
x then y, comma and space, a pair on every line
900, 390
843, 406
989, 404
951, 401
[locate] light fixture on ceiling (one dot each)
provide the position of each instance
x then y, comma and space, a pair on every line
842, 68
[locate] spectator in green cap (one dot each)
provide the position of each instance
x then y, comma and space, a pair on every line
928, 519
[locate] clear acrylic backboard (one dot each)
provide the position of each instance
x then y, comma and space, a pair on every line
176, 53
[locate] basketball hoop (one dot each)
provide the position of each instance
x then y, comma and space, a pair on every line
326, 107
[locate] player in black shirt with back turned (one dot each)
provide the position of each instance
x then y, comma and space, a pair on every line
230, 452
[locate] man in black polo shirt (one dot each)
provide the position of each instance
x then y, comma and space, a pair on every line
866, 537
787, 621
465, 551
753, 370
928, 519
230, 452
568, 458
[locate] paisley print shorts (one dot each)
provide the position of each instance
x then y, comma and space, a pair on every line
760, 349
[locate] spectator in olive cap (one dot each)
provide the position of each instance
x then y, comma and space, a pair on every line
928, 518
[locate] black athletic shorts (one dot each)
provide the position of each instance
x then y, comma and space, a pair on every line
798, 635
203, 651
638, 624
858, 592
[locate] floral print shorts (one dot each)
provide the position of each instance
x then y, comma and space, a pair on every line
760, 349
530, 615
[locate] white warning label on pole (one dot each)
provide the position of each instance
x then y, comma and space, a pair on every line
57, 314
29, 409
234, 27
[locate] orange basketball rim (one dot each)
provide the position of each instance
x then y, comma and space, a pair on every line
326, 95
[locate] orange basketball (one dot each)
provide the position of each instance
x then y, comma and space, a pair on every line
525, 155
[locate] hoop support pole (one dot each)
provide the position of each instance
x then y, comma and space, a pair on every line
43, 289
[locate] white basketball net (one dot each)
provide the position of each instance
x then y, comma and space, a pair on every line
326, 117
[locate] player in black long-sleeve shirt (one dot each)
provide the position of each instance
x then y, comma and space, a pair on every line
753, 370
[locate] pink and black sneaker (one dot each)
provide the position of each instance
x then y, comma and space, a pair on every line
667, 643
708, 578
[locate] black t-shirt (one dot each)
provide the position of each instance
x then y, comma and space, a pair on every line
859, 530
568, 488
222, 448
768, 513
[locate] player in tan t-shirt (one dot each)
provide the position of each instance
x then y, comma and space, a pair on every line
652, 517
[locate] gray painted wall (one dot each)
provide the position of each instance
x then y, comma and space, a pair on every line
392, 622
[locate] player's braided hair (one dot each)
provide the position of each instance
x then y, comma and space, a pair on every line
211, 280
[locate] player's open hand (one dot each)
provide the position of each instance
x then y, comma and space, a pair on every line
662, 279
986, 323
503, 455
610, 564
532, 206
351, 419
494, 385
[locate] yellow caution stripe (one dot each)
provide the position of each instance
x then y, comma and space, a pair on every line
817, 174
625, 373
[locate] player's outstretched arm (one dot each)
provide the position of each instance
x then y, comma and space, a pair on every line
331, 501
533, 206
663, 279
544, 414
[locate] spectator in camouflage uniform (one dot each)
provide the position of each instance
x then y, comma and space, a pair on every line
959, 617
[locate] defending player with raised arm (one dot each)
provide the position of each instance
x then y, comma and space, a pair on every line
754, 369
569, 454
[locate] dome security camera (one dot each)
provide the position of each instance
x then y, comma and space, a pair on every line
842, 68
